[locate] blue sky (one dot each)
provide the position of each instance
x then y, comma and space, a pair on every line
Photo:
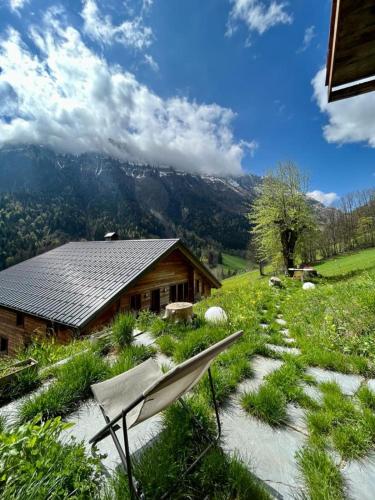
209, 86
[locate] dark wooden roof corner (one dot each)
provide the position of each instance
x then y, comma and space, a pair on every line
351, 50
70, 284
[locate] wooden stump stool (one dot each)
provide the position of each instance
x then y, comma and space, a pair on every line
179, 311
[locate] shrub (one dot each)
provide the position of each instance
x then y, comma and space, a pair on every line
35, 464
144, 319
122, 329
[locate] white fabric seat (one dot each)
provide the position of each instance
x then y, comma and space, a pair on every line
158, 390
142, 392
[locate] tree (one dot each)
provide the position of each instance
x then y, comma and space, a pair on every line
282, 214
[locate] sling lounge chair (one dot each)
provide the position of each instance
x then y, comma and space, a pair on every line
140, 393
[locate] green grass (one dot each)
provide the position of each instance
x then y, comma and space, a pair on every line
235, 262
340, 423
48, 352
346, 264
36, 464
71, 387
182, 439
122, 330
322, 476
279, 388
267, 404
73, 381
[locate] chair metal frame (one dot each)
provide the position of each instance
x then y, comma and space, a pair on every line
112, 426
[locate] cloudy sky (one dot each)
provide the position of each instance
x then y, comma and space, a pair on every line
208, 86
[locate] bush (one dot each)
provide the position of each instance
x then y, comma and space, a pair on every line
35, 464
122, 329
145, 319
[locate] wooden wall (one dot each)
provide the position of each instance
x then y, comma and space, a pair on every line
18, 336
173, 269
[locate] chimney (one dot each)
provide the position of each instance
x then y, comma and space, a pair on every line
112, 236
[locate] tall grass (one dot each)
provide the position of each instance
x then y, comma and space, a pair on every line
323, 478
122, 329
72, 385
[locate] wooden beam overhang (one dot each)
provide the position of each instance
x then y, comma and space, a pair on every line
351, 52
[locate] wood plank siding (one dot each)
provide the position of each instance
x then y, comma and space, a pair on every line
173, 270
174, 277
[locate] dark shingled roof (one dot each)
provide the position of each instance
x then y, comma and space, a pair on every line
71, 283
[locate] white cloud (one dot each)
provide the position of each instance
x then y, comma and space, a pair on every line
151, 62
308, 38
131, 33
69, 98
17, 5
350, 120
258, 15
325, 198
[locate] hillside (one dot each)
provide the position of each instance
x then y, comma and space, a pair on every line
48, 198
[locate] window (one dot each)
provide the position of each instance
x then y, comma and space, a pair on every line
20, 319
135, 302
179, 292
172, 293
197, 286
4, 345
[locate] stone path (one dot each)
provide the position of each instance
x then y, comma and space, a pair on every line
349, 384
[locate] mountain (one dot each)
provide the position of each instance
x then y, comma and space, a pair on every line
47, 198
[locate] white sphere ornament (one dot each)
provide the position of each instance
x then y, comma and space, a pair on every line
216, 315
308, 286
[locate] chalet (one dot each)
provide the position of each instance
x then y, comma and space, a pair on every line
79, 287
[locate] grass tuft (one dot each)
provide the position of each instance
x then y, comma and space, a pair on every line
322, 476
122, 330
268, 404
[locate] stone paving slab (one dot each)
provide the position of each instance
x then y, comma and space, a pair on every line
88, 420
268, 452
313, 392
349, 384
281, 321
297, 418
261, 367
371, 384
144, 338
284, 350
289, 340
360, 478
